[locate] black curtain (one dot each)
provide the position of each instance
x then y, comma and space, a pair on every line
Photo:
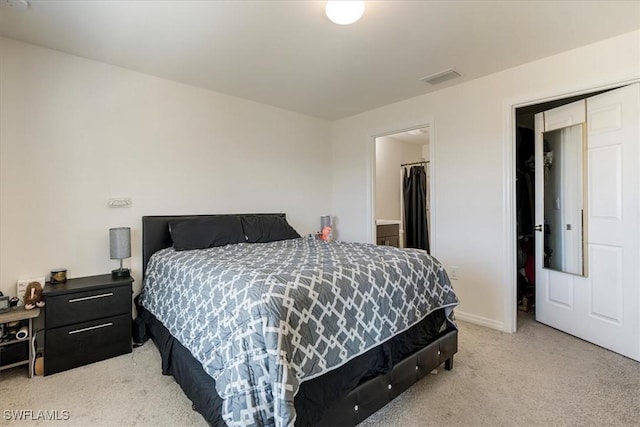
415, 210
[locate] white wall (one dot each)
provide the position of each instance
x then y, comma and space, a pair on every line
390, 154
471, 138
74, 132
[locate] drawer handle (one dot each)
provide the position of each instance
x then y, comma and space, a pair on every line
90, 328
110, 294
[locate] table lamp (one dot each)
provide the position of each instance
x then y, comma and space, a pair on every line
120, 248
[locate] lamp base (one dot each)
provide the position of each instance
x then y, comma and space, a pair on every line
120, 272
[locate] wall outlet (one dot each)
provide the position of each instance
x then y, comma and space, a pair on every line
120, 202
453, 272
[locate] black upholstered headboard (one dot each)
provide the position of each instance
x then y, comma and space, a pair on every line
155, 232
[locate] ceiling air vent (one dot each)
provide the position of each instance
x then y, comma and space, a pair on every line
440, 77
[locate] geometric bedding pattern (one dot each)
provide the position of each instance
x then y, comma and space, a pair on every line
264, 317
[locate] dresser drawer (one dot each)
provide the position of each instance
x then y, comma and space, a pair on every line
83, 343
78, 307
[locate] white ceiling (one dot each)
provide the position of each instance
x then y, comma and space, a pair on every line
288, 54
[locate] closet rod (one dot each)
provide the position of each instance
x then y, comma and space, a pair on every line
414, 163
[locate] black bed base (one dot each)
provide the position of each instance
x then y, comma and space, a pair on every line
348, 410
375, 393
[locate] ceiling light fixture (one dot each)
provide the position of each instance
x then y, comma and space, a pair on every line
344, 12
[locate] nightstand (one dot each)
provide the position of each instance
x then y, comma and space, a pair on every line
17, 315
87, 319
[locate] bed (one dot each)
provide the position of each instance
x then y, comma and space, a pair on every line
273, 339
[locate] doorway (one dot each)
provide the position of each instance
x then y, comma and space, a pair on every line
584, 286
402, 188
525, 201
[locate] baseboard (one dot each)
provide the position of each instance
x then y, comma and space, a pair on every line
479, 320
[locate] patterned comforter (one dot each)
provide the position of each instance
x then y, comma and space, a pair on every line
262, 318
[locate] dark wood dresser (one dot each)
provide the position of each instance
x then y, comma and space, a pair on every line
87, 319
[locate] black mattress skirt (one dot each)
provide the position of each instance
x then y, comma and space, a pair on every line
314, 396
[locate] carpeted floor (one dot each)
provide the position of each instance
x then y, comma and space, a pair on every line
536, 377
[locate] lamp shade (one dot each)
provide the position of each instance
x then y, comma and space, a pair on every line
120, 242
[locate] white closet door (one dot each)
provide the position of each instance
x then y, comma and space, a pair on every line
603, 306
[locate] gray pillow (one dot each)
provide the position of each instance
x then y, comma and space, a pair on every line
267, 228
